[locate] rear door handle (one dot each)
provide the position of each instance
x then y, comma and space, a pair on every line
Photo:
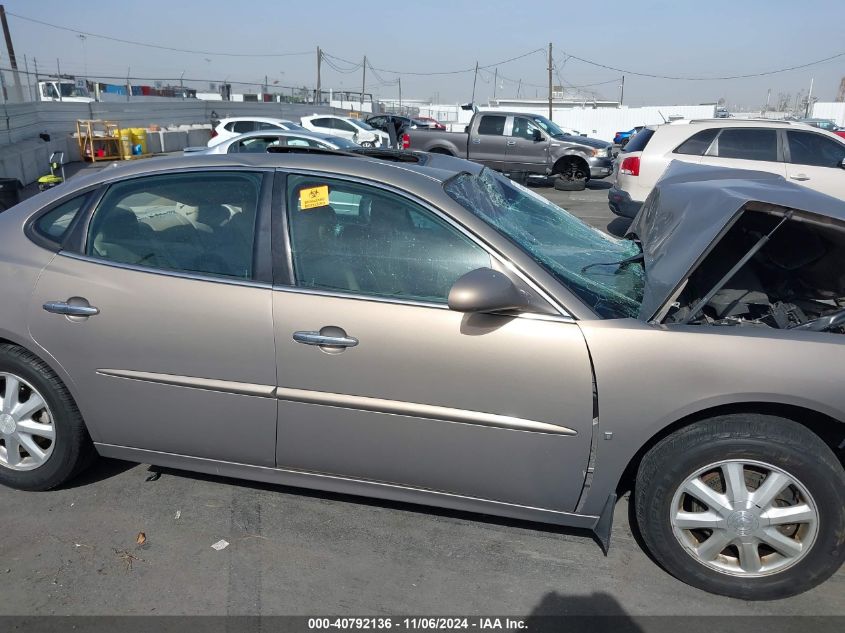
315, 338
511, 142
800, 177
63, 307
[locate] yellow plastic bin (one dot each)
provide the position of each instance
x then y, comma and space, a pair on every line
125, 142
139, 137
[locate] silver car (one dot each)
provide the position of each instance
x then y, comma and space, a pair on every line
431, 332
261, 141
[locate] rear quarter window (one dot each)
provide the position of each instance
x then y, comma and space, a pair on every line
639, 141
54, 224
698, 143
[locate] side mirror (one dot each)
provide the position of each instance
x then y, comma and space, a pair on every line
486, 290
842, 164
538, 135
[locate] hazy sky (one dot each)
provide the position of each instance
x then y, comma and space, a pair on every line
678, 38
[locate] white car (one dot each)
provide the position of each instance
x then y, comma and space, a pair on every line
253, 142
805, 155
235, 126
347, 127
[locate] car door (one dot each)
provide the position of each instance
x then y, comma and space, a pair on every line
524, 151
160, 310
487, 143
747, 148
344, 129
816, 161
379, 381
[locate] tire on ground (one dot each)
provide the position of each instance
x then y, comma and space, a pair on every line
572, 174
776, 441
72, 450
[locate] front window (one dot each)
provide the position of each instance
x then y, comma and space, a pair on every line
550, 127
361, 124
72, 90
360, 239
585, 260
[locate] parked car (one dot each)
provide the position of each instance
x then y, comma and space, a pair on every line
621, 138
491, 353
806, 155
721, 112
381, 121
349, 128
261, 141
517, 142
825, 124
432, 123
231, 127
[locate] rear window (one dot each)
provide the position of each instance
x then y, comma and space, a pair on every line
698, 143
639, 141
748, 144
492, 125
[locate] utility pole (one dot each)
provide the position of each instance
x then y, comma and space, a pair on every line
518, 87
622, 93
59, 78
182, 84
28, 83
363, 83
400, 95
11, 49
809, 99
475, 79
318, 97
495, 81
768, 98
550, 81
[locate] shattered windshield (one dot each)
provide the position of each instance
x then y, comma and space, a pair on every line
587, 261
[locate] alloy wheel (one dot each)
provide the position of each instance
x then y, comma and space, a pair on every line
744, 518
27, 431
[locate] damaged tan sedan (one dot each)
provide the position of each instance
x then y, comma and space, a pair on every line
423, 329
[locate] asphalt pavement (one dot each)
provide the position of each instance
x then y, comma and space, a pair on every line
79, 550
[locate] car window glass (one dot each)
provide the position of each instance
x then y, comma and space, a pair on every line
748, 144
243, 126
257, 144
297, 141
54, 224
230, 126
639, 141
355, 238
698, 143
263, 125
322, 123
340, 124
523, 128
807, 148
492, 125
197, 222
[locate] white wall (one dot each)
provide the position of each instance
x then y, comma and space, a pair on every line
835, 111
601, 123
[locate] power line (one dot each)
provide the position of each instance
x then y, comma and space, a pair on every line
444, 72
747, 76
165, 48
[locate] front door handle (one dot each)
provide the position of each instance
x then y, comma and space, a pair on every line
324, 340
800, 177
69, 309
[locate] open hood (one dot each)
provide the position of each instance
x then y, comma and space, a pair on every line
692, 207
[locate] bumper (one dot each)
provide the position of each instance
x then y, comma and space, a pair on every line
600, 166
621, 204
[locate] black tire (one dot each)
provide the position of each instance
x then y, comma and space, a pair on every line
778, 442
72, 450
562, 184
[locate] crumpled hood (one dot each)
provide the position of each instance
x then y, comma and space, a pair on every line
693, 205
582, 140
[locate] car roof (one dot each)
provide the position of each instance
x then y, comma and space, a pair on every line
339, 164
300, 133
255, 118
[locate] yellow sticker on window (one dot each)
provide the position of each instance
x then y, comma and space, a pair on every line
313, 197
